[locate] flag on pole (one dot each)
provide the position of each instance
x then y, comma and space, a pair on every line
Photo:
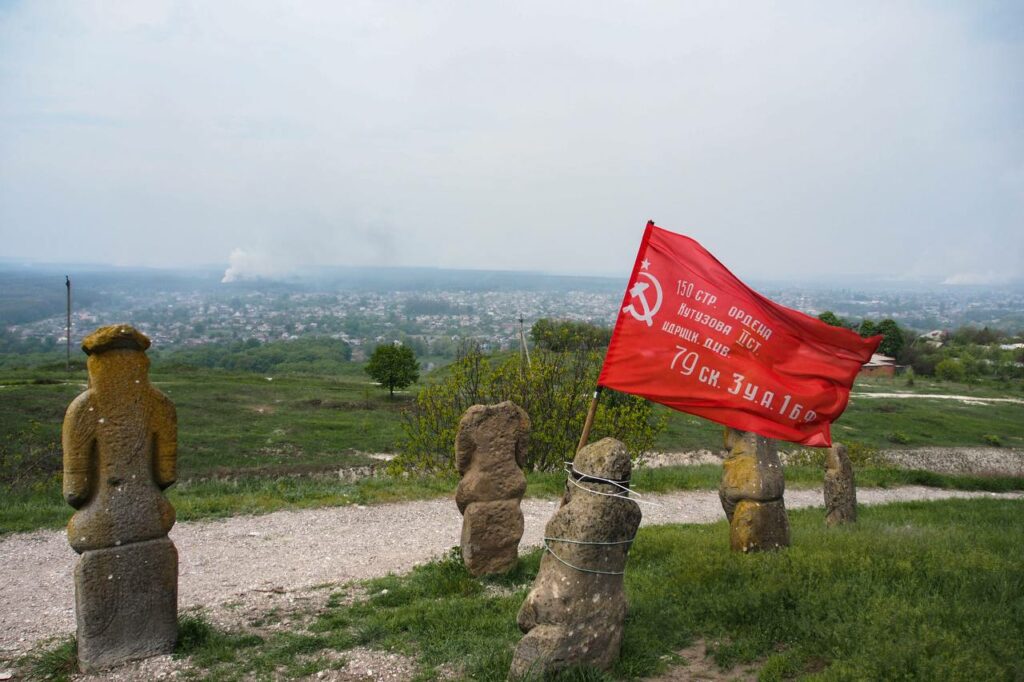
692, 336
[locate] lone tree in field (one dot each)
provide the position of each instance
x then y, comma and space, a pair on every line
393, 367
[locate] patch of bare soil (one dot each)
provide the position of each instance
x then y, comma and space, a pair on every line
973, 461
696, 664
656, 460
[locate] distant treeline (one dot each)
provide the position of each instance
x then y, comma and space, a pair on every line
309, 355
30, 297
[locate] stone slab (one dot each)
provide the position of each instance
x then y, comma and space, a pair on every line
126, 599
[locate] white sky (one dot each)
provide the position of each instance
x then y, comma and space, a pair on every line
792, 139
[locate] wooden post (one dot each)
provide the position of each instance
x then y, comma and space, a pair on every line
590, 418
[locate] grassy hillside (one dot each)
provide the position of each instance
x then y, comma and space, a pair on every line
244, 436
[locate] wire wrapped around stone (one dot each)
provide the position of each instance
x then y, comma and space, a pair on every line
624, 492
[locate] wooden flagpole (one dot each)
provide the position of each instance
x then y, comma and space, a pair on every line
590, 418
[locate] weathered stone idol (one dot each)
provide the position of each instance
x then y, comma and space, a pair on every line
490, 450
575, 612
751, 493
120, 452
840, 493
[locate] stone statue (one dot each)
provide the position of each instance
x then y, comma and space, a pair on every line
120, 453
751, 493
490, 450
575, 612
840, 493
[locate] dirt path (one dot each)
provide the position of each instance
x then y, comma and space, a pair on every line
233, 564
968, 399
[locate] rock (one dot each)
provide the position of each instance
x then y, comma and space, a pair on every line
751, 493
840, 492
575, 612
120, 453
126, 600
490, 448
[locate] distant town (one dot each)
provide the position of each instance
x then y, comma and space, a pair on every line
431, 311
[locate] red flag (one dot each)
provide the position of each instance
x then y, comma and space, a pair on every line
692, 336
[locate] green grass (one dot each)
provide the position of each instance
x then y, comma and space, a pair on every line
54, 661
232, 421
913, 591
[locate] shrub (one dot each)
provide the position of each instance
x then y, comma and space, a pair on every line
555, 391
950, 369
992, 440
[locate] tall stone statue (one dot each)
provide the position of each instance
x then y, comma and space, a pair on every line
751, 493
490, 449
120, 452
840, 493
575, 612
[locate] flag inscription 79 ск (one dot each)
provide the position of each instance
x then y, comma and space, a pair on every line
692, 336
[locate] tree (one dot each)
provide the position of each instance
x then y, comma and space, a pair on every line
393, 366
829, 317
892, 344
867, 328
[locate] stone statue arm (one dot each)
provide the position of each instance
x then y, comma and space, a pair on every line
522, 445
78, 439
464, 449
165, 442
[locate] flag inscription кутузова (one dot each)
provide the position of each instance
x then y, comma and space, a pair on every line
692, 336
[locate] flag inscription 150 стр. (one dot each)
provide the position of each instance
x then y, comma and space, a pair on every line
692, 336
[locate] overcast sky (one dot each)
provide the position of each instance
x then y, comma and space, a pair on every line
792, 139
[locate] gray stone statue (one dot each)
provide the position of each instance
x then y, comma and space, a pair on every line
575, 612
840, 493
490, 449
120, 453
751, 493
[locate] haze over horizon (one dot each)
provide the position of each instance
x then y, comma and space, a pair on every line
876, 139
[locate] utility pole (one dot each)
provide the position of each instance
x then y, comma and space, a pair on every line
67, 283
524, 350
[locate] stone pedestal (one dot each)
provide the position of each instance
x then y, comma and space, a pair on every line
575, 612
840, 492
126, 600
490, 449
751, 493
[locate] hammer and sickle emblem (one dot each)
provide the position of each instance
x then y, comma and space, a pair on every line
639, 294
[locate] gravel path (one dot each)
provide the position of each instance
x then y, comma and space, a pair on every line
235, 562
967, 399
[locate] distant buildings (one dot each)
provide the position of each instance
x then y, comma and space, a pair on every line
879, 366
